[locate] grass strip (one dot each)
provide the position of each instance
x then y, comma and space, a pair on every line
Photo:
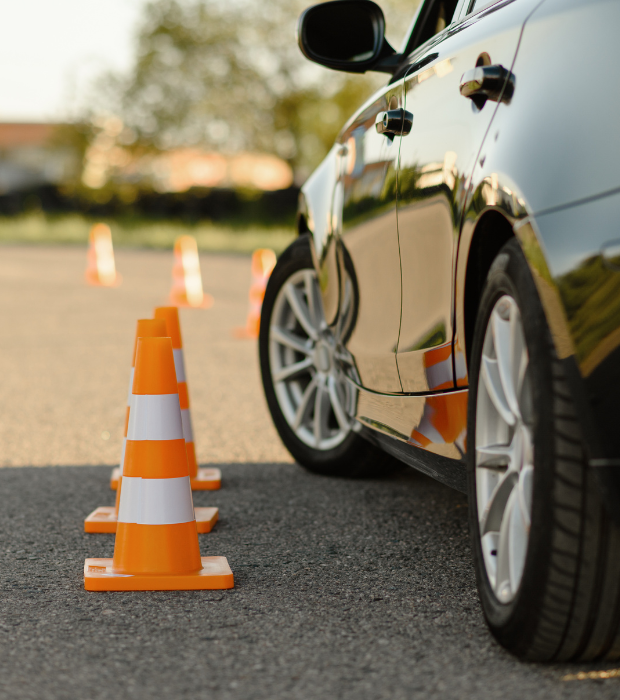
235, 237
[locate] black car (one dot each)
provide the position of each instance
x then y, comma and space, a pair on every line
453, 299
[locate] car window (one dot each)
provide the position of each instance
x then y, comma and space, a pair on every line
434, 17
477, 5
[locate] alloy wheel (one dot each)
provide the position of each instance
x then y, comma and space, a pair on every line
308, 365
504, 449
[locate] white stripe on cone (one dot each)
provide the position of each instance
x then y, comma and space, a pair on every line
439, 373
425, 428
186, 419
156, 501
179, 365
120, 466
155, 417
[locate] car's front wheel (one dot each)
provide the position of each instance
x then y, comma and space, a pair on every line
547, 556
303, 367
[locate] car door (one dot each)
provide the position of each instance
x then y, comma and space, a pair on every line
364, 220
436, 162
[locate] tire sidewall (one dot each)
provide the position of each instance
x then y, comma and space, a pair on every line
515, 623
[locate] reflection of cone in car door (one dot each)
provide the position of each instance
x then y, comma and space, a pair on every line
156, 544
105, 518
203, 479
186, 277
444, 420
263, 262
100, 266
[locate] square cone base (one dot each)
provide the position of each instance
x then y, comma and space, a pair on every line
103, 520
206, 519
215, 575
116, 472
207, 480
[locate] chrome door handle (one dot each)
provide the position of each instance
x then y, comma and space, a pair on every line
488, 83
394, 122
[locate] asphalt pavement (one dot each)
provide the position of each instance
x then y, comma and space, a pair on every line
344, 589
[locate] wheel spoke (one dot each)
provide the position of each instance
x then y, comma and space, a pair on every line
503, 585
518, 354
301, 310
524, 491
319, 414
493, 384
517, 540
504, 339
294, 370
339, 411
494, 456
304, 404
493, 515
289, 339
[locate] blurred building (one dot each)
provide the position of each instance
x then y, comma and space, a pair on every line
181, 169
110, 159
31, 157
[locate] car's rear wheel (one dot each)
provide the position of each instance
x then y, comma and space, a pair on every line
547, 556
303, 368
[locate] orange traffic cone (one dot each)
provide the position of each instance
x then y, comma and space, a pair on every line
156, 544
202, 479
186, 278
263, 262
105, 518
146, 328
100, 267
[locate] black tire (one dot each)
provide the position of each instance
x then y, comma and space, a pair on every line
567, 606
354, 456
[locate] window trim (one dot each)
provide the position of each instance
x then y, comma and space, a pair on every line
472, 13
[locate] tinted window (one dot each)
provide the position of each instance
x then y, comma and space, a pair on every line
481, 4
435, 16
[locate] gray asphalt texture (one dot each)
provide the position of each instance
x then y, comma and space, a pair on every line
344, 589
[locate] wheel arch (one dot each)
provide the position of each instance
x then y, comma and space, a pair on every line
491, 232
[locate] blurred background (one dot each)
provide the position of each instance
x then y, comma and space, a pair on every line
164, 117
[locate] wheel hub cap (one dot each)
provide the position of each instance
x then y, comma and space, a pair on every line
323, 357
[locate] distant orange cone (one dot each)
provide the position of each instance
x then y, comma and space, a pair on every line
100, 266
263, 262
104, 519
156, 544
203, 479
186, 278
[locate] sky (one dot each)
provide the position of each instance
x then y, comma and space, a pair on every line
50, 50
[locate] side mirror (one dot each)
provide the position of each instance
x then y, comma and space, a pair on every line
346, 35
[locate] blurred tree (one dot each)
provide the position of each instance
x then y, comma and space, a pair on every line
229, 76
